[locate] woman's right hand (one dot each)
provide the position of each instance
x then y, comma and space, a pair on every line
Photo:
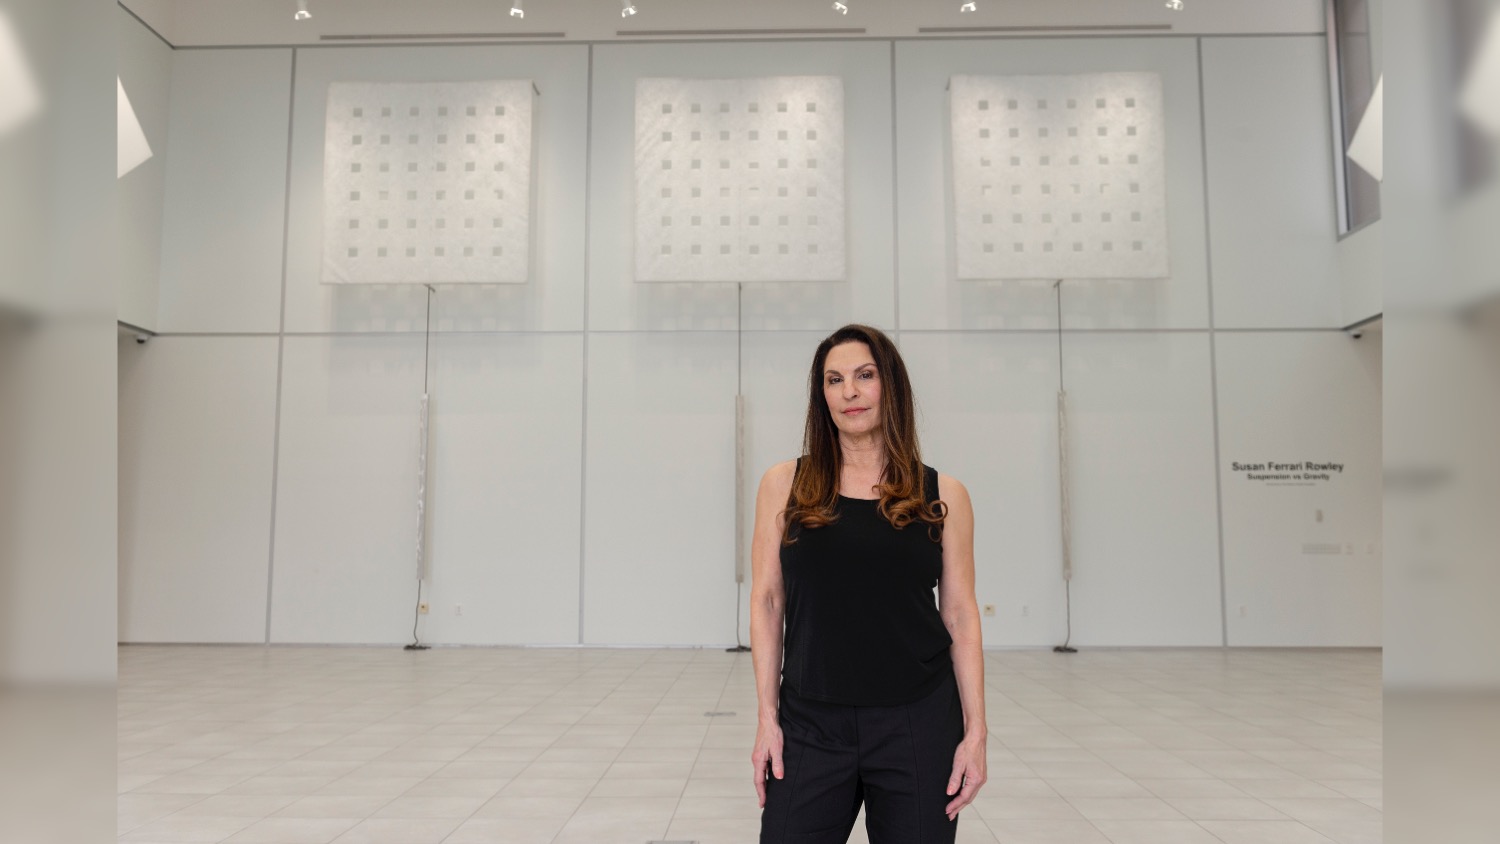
767, 755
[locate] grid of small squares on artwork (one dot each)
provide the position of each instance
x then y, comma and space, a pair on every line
1058, 176
739, 180
427, 183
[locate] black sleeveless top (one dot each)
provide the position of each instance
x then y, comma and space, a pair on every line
862, 624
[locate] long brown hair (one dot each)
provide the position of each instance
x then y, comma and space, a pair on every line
903, 492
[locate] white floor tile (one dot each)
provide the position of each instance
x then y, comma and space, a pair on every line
503, 807
1155, 832
293, 831
1265, 832
534, 746
398, 831
1225, 809
1045, 832
1024, 808
506, 831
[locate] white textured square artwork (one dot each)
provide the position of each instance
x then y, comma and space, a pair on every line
739, 179
427, 183
1059, 177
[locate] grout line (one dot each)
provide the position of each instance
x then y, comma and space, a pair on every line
1342, 679
373, 815
286, 228
1213, 355
434, 774
639, 666
718, 704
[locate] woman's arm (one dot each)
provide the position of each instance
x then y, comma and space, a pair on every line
960, 613
767, 614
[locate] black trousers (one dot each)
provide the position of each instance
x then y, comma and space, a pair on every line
896, 760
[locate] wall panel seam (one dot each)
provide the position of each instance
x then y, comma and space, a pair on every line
1213, 356
286, 223
583, 428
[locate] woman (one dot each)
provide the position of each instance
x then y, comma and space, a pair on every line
873, 695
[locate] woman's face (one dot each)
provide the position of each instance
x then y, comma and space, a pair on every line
851, 386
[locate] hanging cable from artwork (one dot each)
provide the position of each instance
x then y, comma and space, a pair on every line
739, 463
422, 441
1062, 482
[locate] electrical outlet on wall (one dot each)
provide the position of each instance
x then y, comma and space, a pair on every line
1025, 610
458, 609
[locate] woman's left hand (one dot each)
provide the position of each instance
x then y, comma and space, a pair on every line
968, 774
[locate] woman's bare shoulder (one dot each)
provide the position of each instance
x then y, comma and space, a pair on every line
779, 476
951, 489
775, 488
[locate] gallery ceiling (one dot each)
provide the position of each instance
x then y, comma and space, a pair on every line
271, 22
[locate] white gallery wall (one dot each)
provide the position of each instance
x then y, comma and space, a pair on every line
145, 69
197, 425
225, 216
1299, 560
582, 462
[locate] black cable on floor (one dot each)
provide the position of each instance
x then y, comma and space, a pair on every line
416, 644
738, 648
1064, 648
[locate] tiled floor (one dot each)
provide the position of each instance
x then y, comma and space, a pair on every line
609, 746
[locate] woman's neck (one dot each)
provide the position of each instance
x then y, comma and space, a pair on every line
863, 456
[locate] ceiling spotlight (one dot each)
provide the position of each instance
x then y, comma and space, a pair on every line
515, 9
838, 6
626, 8
1174, 5
302, 12
967, 7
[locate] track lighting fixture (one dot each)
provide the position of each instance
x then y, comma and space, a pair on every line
967, 7
515, 9
838, 6
302, 12
626, 8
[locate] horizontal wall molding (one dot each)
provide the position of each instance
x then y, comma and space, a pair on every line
738, 37
670, 331
737, 33
1113, 29
442, 36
